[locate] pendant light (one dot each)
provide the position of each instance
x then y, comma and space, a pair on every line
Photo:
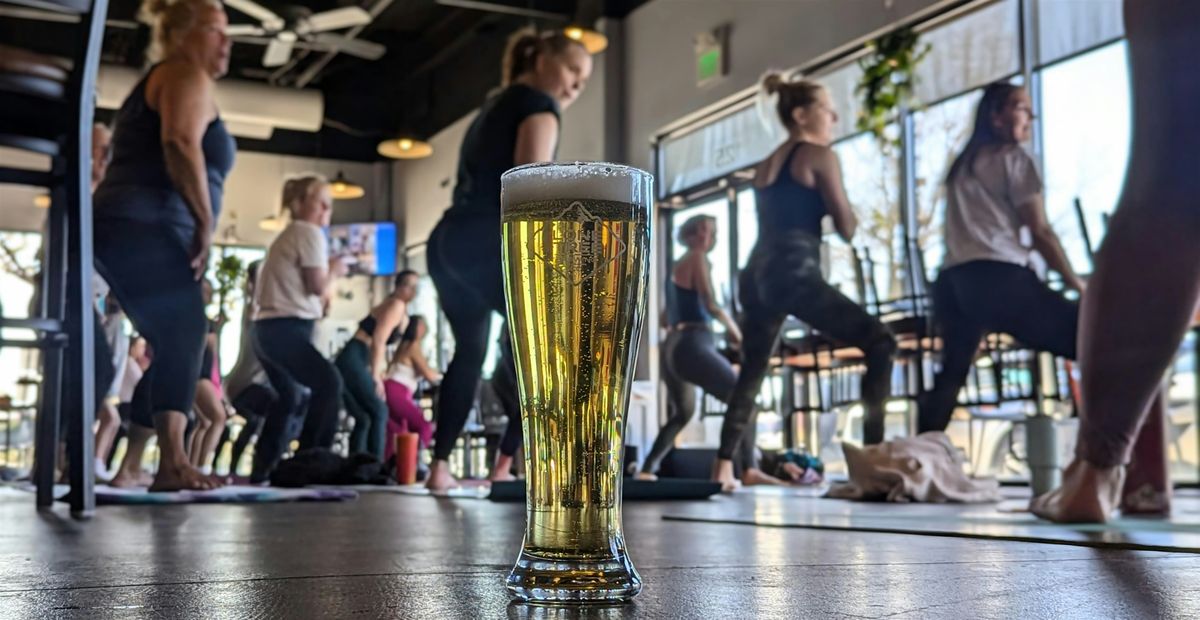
583, 27
592, 40
405, 148
342, 188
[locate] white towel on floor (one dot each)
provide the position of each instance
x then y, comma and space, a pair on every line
925, 468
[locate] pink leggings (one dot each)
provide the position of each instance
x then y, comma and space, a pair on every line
403, 410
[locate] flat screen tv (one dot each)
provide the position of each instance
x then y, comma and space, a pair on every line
372, 246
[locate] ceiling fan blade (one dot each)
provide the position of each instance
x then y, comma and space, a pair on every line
244, 30
336, 19
279, 50
367, 50
269, 19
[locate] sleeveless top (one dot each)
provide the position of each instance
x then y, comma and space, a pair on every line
786, 205
137, 186
488, 147
367, 325
684, 305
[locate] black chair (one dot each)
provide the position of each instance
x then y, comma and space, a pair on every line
53, 117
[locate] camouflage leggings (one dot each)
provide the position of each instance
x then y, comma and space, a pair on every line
783, 277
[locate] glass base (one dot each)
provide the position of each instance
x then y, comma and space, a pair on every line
608, 580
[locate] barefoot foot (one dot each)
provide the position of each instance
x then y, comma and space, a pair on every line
127, 479
723, 473
440, 479
1146, 500
645, 475
182, 477
1088, 495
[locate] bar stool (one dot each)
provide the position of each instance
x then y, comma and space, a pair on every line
48, 110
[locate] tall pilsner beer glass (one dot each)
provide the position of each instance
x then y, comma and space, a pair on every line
576, 260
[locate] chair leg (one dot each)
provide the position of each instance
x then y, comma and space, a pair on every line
50, 407
81, 399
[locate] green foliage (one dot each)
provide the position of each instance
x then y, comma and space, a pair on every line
888, 81
229, 274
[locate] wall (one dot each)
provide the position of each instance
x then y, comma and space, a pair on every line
660, 79
254, 188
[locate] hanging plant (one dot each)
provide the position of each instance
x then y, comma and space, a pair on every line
888, 81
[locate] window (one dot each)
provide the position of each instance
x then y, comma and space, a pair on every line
19, 266
940, 133
1085, 140
872, 178
722, 280
235, 303
747, 225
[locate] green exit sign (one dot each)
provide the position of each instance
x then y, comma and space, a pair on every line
708, 65
712, 58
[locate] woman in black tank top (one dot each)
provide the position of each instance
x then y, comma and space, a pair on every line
363, 365
543, 74
796, 187
154, 214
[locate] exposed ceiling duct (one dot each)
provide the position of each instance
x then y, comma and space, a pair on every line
250, 109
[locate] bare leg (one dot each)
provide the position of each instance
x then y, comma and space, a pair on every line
175, 472
1142, 297
106, 432
130, 473
209, 404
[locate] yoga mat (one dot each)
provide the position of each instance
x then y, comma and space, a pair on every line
663, 489
1007, 520
106, 495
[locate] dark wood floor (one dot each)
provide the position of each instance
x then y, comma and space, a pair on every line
393, 556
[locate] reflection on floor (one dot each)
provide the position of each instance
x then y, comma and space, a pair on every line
393, 555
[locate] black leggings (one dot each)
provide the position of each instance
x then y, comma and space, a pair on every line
505, 388
252, 403
783, 277
972, 299
690, 359
464, 262
370, 412
292, 362
148, 269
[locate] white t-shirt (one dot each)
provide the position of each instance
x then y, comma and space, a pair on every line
982, 221
281, 292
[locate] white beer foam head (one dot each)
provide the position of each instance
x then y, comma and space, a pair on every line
577, 181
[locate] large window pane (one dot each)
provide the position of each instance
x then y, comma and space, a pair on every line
235, 303
1086, 133
730, 143
971, 51
842, 84
747, 225
719, 256
1067, 27
872, 178
940, 132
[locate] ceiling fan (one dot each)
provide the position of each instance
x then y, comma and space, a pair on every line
300, 24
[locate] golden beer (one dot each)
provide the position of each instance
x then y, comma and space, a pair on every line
576, 258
